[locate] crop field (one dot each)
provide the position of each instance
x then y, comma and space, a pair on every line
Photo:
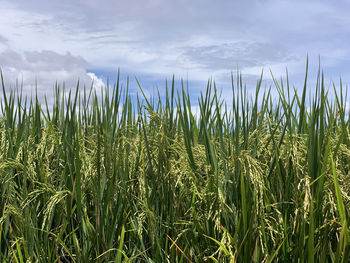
102, 177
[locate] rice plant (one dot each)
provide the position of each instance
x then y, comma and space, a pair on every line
109, 178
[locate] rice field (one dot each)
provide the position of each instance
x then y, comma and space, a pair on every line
102, 177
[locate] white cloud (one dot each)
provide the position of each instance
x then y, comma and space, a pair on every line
40, 70
97, 82
230, 56
198, 39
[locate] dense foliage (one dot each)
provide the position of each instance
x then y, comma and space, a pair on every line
105, 178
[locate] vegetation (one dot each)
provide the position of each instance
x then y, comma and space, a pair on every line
105, 178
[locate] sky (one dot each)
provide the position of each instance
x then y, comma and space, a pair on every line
42, 42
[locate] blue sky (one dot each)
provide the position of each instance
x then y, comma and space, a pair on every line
44, 41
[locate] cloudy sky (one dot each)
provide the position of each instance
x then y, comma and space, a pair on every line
46, 41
